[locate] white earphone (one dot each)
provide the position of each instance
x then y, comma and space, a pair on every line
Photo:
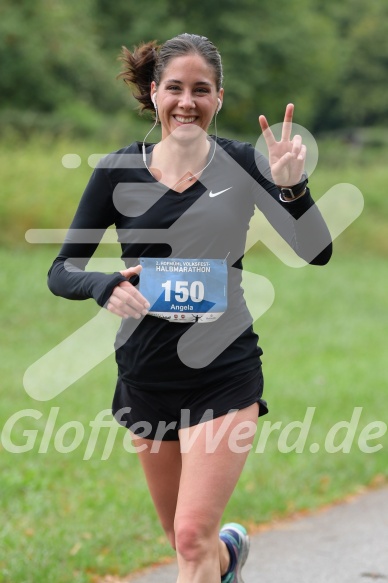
219, 105
153, 99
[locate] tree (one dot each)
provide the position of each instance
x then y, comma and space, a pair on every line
50, 56
364, 99
272, 53
330, 58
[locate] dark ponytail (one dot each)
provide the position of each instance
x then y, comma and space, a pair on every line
138, 71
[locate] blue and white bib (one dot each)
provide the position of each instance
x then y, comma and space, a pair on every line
185, 290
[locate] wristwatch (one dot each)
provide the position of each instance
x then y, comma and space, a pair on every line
293, 191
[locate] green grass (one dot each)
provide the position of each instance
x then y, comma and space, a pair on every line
66, 519
38, 192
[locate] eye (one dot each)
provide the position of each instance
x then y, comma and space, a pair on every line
173, 88
202, 90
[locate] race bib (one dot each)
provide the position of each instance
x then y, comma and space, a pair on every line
185, 290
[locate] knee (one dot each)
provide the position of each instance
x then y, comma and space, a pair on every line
192, 540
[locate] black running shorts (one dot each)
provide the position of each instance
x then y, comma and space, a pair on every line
158, 415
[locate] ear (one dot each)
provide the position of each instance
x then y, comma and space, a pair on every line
221, 96
153, 88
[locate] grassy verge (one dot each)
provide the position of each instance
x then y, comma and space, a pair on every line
65, 518
37, 191
68, 519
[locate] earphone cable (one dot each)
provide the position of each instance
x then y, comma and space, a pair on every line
192, 176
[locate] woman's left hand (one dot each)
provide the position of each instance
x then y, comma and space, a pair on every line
287, 157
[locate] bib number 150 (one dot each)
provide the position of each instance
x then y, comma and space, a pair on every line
184, 291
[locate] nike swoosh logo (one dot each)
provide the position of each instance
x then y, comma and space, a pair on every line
212, 194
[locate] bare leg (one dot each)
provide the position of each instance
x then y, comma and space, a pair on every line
207, 481
162, 471
190, 492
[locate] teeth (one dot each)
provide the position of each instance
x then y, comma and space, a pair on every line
185, 119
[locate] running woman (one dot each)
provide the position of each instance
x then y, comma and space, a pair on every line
190, 382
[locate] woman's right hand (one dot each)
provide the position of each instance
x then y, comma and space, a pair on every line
126, 301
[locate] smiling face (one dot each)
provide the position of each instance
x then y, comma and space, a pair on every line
186, 97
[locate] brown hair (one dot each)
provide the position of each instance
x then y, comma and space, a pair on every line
148, 60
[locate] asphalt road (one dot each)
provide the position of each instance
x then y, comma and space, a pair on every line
346, 543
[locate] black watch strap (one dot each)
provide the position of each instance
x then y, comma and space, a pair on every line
294, 191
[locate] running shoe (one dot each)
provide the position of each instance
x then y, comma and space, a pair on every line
237, 541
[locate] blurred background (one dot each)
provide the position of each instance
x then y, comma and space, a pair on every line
64, 518
58, 60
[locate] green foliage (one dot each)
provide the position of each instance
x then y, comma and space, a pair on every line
50, 56
361, 31
268, 52
365, 80
329, 58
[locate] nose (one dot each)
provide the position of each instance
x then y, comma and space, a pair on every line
186, 101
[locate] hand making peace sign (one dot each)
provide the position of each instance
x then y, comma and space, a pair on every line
287, 157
